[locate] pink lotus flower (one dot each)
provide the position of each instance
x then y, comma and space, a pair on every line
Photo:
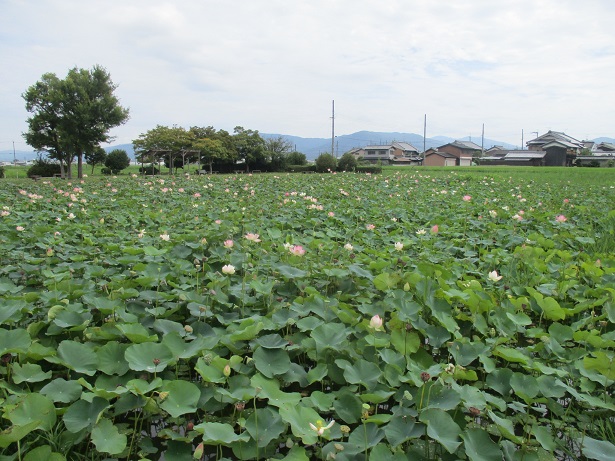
370, 227
435, 229
228, 269
252, 237
561, 218
376, 322
20, 228
228, 243
297, 250
196, 195
467, 198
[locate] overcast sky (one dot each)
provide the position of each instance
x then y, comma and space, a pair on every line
276, 65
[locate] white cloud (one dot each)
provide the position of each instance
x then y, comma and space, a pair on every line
275, 65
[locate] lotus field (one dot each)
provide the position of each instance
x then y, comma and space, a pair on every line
461, 314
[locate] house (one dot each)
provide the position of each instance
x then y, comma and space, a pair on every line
515, 158
464, 151
395, 152
433, 157
561, 149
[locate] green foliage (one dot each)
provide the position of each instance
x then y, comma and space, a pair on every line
96, 157
2, 171
72, 116
325, 162
347, 162
117, 160
44, 168
349, 328
296, 158
149, 170
373, 169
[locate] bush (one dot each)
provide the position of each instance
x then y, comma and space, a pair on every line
347, 162
116, 161
325, 162
43, 167
300, 168
149, 169
373, 169
296, 158
2, 173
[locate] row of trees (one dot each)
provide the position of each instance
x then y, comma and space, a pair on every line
71, 117
215, 149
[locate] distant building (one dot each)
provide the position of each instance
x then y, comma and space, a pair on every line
561, 149
395, 152
433, 157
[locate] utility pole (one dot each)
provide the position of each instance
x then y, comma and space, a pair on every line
333, 128
522, 139
482, 143
14, 156
424, 133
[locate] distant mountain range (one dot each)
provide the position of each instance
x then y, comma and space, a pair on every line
313, 147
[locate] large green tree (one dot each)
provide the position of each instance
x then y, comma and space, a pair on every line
72, 116
163, 142
213, 145
250, 146
97, 156
277, 150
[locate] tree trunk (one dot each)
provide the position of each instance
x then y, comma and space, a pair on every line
80, 165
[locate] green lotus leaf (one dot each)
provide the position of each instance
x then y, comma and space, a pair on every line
329, 336
479, 446
182, 398
271, 362
83, 414
43, 453
10, 308
361, 372
183, 349
348, 406
602, 450
367, 436
401, 429
272, 341
220, 434
299, 418
441, 428
136, 333
150, 357
107, 438
270, 389
14, 341
290, 272
16, 433
142, 387
265, 425
111, 359
544, 437
29, 373
60, 390
34, 407
76, 356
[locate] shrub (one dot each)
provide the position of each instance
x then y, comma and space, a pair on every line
296, 158
374, 169
149, 169
300, 168
2, 173
347, 162
43, 167
116, 161
325, 162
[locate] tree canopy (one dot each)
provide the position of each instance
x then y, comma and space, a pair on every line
72, 116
